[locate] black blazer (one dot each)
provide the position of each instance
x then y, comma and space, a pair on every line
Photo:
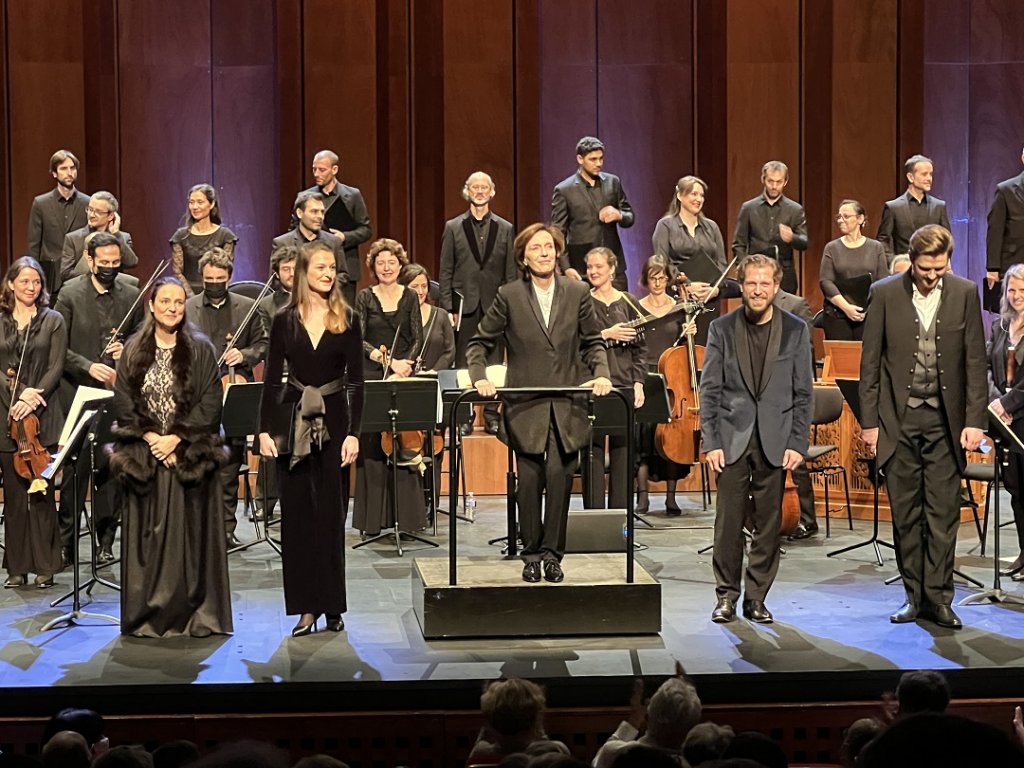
73, 263
890, 347
251, 342
474, 274
1010, 394
574, 210
46, 228
1004, 241
896, 225
295, 238
352, 199
566, 353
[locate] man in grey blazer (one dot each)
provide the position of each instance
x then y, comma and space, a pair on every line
308, 211
915, 208
1004, 240
54, 214
101, 216
553, 339
476, 258
589, 207
755, 408
923, 392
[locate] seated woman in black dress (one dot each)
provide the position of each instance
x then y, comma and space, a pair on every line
389, 317
167, 403
318, 339
201, 230
848, 258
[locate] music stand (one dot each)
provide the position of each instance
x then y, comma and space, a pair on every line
1001, 434
394, 406
240, 417
67, 458
850, 389
448, 381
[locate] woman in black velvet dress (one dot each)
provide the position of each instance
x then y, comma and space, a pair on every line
318, 339
389, 316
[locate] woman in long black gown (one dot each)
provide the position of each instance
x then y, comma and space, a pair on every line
389, 316
167, 403
31, 533
317, 337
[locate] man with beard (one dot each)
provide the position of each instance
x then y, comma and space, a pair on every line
54, 214
308, 212
553, 339
93, 306
755, 408
915, 208
772, 224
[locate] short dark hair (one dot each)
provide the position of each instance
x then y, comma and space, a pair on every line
657, 263
219, 258
923, 690
84, 721
411, 271
59, 157
282, 254
513, 706
99, 240
913, 160
588, 144
930, 240
303, 198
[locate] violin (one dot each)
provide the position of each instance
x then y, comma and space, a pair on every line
30, 457
790, 506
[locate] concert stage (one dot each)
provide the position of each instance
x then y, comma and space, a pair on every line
832, 640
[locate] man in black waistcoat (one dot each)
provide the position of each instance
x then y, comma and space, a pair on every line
218, 313
349, 221
923, 392
54, 214
93, 306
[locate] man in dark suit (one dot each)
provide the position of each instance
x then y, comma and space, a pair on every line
54, 214
772, 224
1004, 240
755, 407
219, 313
589, 207
101, 216
553, 339
349, 221
912, 210
923, 394
308, 211
476, 257
92, 306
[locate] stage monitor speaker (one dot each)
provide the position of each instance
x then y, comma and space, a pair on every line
595, 530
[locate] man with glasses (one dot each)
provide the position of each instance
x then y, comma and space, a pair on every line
101, 216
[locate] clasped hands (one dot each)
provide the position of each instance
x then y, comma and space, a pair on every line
29, 400
163, 447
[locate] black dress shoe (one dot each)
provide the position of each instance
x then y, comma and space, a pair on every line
491, 427
466, 429
334, 622
944, 616
803, 532
906, 614
553, 571
105, 555
757, 612
302, 629
531, 572
725, 611
672, 508
1015, 567
233, 541
65, 557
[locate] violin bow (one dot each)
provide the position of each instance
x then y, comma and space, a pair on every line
161, 267
245, 320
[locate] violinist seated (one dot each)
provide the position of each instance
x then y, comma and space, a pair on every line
33, 342
100, 310
220, 314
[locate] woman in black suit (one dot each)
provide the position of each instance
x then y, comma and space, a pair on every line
1006, 390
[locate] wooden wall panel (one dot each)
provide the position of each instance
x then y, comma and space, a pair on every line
394, 121
864, 77
645, 108
243, 133
289, 115
101, 95
45, 75
479, 106
711, 94
763, 112
165, 118
5, 158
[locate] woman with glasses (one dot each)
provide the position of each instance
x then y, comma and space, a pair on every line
844, 263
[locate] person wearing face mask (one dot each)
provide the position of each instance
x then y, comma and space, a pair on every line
93, 306
218, 313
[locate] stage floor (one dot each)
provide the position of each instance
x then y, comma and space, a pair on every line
831, 639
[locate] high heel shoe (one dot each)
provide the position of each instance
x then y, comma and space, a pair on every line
1014, 568
301, 630
43, 580
334, 622
672, 508
15, 580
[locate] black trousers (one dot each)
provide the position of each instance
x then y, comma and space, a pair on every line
267, 485
841, 328
620, 478
106, 501
467, 330
789, 281
749, 477
548, 475
229, 483
805, 492
923, 481
1013, 478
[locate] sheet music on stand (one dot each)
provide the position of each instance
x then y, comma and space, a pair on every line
74, 430
458, 302
84, 396
1012, 433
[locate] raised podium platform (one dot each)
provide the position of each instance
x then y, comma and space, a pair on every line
492, 600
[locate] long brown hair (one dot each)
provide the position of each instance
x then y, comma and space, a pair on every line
337, 320
7, 295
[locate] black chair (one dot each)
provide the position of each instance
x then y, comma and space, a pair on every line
828, 407
248, 288
982, 473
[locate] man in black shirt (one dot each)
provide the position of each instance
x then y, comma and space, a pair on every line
93, 306
309, 213
219, 314
54, 214
349, 222
102, 216
904, 215
772, 224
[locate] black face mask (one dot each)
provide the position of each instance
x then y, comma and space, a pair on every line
215, 291
105, 276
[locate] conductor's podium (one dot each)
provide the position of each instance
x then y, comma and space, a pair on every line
490, 599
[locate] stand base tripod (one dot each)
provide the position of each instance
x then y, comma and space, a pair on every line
397, 534
70, 619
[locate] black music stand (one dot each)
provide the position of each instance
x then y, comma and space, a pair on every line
68, 459
240, 417
850, 389
1002, 435
448, 381
394, 406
